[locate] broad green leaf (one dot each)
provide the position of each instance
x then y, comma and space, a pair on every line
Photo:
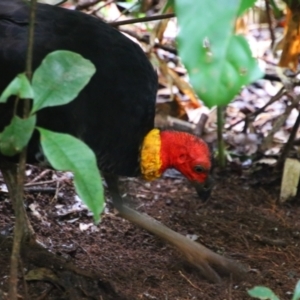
244, 5
296, 295
262, 292
59, 78
16, 135
66, 153
219, 63
20, 86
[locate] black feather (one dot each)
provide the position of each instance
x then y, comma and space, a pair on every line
114, 111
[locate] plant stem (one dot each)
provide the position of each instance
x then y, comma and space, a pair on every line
289, 144
221, 150
16, 193
17, 176
145, 19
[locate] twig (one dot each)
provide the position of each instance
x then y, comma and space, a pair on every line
40, 182
271, 77
269, 19
273, 99
246, 125
268, 241
276, 126
193, 285
125, 11
45, 293
86, 252
57, 189
94, 10
166, 122
287, 147
30, 39
44, 190
41, 175
166, 48
145, 39
140, 20
201, 125
87, 4
221, 148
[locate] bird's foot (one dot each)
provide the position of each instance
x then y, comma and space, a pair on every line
210, 263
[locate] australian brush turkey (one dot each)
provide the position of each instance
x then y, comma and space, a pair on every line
113, 114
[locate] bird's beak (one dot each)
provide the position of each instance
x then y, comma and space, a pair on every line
204, 189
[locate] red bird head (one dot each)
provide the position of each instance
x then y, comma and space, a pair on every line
184, 152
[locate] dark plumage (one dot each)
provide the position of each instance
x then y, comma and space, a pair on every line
121, 94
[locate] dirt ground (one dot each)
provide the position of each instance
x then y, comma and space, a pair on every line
241, 220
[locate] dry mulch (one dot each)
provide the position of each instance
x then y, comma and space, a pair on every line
241, 220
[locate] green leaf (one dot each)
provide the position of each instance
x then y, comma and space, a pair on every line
66, 153
244, 5
262, 292
219, 63
169, 4
59, 79
16, 135
20, 86
296, 295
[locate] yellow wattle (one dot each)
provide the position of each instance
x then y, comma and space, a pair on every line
150, 155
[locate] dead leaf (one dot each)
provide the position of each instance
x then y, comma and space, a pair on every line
291, 42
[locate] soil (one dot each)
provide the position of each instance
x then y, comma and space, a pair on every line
116, 260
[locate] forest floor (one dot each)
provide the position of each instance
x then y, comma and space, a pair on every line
116, 260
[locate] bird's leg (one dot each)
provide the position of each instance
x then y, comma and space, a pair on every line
200, 256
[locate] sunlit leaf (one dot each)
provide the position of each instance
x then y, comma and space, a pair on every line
219, 63
296, 295
66, 153
262, 292
16, 135
20, 86
244, 5
59, 79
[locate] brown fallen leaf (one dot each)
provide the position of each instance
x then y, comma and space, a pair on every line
291, 41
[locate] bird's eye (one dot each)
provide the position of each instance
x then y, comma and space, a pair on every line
198, 169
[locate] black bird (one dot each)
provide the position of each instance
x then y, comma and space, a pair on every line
113, 114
